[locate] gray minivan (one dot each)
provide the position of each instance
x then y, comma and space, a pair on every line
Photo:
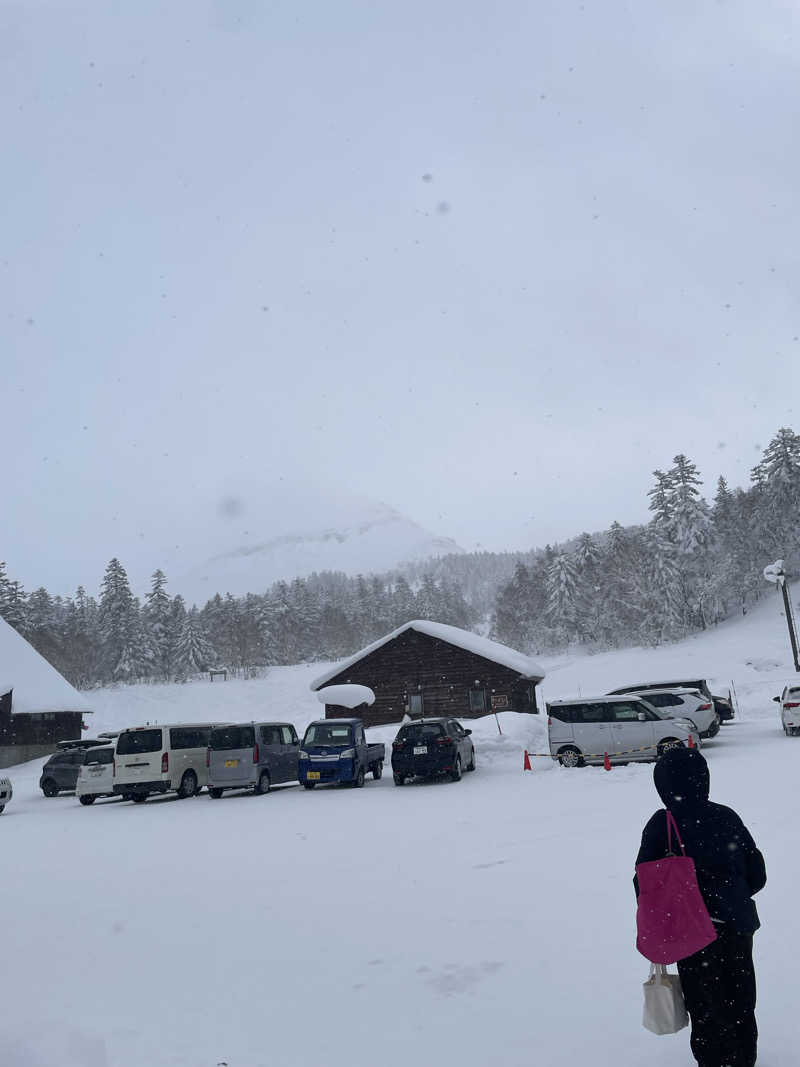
252, 755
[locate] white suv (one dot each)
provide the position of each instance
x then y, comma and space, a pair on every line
684, 704
789, 701
625, 729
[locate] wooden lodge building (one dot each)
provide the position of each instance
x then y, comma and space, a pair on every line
38, 707
428, 668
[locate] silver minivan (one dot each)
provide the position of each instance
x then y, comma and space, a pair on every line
624, 728
253, 755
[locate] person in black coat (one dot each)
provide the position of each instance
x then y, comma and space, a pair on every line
719, 983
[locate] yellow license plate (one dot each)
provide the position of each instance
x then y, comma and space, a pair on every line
231, 763
312, 776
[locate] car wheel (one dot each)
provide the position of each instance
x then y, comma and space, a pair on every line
570, 757
471, 764
399, 779
455, 774
188, 786
89, 799
667, 744
377, 770
358, 781
263, 784
309, 785
138, 798
215, 794
49, 788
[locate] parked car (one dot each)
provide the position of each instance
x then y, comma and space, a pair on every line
162, 759
789, 701
722, 706
336, 750
584, 731
6, 792
96, 774
432, 746
60, 772
684, 704
254, 755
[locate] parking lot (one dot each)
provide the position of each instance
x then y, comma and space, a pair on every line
441, 918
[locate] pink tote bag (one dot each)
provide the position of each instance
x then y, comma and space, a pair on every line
672, 920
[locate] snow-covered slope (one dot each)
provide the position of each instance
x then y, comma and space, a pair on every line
327, 533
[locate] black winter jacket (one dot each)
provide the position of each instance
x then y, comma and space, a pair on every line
730, 869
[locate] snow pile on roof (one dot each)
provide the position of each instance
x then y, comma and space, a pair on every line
346, 696
479, 646
37, 687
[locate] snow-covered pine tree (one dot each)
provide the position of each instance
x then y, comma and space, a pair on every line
157, 617
777, 480
562, 595
12, 602
194, 652
119, 628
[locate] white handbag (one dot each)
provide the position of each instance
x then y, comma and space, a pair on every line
664, 1009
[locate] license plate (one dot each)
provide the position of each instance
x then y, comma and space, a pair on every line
231, 763
312, 776
420, 750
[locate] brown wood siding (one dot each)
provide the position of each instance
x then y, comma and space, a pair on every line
40, 729
444, 674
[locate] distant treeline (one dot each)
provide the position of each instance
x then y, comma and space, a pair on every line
692, 565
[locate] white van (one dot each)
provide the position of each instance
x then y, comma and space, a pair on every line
627, 729
96, 774
162, 759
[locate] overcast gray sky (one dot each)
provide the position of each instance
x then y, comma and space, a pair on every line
490, 263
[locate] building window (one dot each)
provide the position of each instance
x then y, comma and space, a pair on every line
477, 701
415, 704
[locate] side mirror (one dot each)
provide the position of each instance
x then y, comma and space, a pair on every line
468, 731
777, 699
642, 717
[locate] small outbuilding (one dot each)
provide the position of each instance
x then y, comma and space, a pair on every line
38, 707
429, 668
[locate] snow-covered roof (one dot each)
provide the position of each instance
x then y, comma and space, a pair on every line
36, 685
346, 696
479, 646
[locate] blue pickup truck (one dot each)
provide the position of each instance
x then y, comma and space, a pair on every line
336, 750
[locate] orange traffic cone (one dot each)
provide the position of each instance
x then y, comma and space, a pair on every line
606, 761
691, 742
526, 763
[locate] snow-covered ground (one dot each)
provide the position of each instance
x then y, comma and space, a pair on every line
489, 921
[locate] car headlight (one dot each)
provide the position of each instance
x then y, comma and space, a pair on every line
349, 753
302, 755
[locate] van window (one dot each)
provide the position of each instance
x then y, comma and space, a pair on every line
563, 714
232, 737
591, 712
626, 712
189, 737
133, 741
271, 735
99, 755
288, 736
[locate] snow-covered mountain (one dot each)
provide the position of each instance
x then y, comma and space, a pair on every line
332, 533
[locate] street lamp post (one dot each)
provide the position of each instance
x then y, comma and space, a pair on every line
776, 574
